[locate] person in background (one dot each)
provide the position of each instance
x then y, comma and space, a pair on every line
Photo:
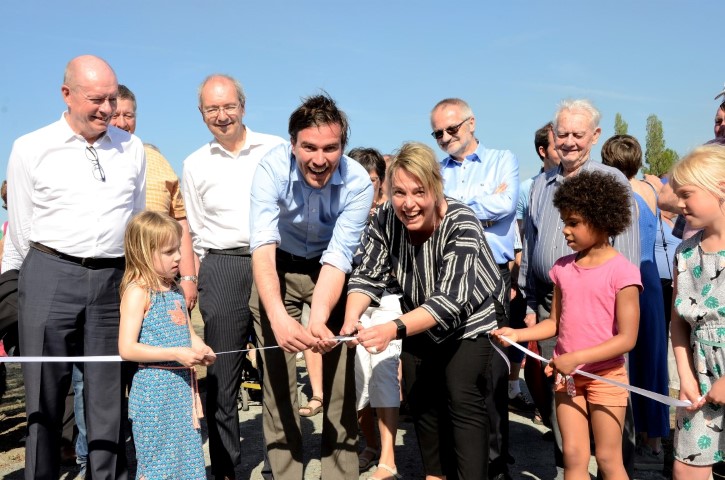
648, 359
486, 180
376, 376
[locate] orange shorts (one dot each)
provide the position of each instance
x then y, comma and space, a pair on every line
598, 392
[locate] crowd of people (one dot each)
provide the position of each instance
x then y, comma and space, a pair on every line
419, 266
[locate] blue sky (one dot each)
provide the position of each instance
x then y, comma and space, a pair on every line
385, 62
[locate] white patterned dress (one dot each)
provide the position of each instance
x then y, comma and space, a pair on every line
699, 438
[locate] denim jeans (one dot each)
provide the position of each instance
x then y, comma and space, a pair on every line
80, 414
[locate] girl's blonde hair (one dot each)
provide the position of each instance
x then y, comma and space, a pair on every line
704, 167
146, 234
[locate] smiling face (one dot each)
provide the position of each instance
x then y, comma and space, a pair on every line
317, 151
90, 92
412, 203
221, 110
699, 206
125, 115
574, 136
461, 143
166, 260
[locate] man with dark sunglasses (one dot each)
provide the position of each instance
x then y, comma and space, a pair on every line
486, 180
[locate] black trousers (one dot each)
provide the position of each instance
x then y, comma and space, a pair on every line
448, 407
225, 282
67, 309
497, 400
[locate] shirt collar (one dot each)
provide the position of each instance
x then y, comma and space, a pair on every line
557, 174
66, 134
251, 141
474, 157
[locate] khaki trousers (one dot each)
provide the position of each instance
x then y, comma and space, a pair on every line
281, 419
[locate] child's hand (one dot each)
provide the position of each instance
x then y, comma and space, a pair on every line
690, 390
565, 364
507, 332
188, 357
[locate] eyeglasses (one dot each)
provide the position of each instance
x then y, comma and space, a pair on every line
214, 111
438, 134
98, 172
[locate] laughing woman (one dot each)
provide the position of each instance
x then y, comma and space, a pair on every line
452, 295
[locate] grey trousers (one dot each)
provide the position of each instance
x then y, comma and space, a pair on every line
281, 420
65, 309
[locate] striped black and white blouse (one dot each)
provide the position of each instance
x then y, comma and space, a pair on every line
452, 275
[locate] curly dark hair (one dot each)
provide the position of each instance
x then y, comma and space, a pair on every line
601, 200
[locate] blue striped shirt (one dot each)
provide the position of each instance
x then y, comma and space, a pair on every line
544, 242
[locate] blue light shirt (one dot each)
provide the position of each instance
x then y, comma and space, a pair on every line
305, 221
473, 182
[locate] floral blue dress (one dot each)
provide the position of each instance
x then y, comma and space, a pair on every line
160, 404
700, 300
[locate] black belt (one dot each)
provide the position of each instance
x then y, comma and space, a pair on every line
237, 252
295, 263
93, 263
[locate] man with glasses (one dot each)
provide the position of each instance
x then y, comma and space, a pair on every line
486, 180
217, 180
73, 186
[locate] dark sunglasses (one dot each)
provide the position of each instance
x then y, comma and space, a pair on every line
438, 134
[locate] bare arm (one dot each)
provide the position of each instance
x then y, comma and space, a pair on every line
133, 305
187, 265
288, 332
627, 308
667, 199
546, 328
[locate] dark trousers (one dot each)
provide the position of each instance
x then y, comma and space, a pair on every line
67, 309
448, 406
497, 399
224, 286
281, 420
545, 295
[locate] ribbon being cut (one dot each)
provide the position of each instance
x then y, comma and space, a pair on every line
640, 391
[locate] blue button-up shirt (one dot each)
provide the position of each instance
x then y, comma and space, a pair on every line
305, 221
473, 183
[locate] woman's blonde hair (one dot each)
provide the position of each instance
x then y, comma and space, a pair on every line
146, 234
704, 167
420, 161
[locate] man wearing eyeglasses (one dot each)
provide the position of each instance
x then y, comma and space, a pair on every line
216, 183
72, 187
486, 180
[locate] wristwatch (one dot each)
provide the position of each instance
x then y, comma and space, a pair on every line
402, 329
190, 278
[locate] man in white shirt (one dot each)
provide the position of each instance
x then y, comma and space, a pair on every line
217, 180
73, 186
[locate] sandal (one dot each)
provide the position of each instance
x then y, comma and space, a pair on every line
367, 458
392, 473
309, 411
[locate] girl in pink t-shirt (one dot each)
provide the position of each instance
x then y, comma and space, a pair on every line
595, 313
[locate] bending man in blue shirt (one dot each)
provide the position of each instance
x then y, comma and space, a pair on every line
309, 206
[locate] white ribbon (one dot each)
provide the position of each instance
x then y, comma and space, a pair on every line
641, 391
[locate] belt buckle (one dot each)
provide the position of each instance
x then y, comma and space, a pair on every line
87, 262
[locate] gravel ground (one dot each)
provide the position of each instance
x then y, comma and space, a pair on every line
533, 455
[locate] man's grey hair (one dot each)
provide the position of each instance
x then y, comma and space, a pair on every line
237, 86
462, 104
578, 105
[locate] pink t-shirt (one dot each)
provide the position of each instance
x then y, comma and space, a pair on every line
588, 304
